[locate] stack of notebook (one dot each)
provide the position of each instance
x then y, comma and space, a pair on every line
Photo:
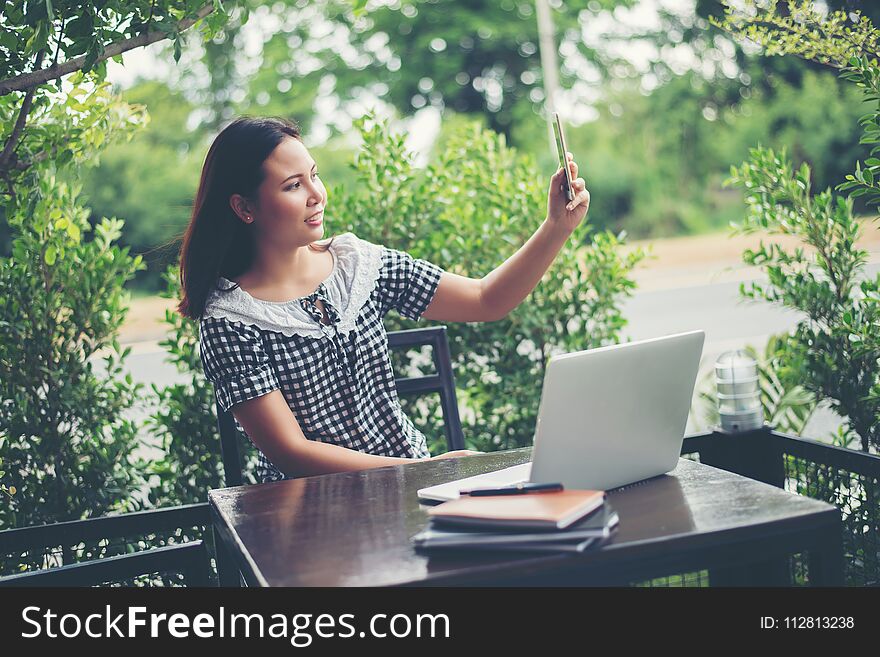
559, 521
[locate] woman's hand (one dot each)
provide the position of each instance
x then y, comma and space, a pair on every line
455, 454
561, 212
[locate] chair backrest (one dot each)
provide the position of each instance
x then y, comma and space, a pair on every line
232, 473
56, 547
442, 382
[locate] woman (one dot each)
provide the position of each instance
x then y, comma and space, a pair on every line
291, 331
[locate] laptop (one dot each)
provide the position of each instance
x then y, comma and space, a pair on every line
608, 417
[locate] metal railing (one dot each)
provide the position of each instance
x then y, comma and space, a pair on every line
162, 547
848, 479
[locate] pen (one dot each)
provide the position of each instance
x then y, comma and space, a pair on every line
516, 489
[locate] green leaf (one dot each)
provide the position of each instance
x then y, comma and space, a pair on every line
74, 232
51, 254
96, 49
39, 38
359, 8
9, 41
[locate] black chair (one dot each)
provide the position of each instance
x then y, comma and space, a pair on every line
442, 382
189, 559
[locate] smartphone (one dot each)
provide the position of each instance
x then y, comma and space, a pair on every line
560, 149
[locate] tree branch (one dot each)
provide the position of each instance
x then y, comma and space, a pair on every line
34, 78
60, 39
21, 165
15, 135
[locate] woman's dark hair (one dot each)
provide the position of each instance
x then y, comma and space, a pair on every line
217, 243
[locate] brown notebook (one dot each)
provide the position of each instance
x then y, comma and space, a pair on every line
556, 510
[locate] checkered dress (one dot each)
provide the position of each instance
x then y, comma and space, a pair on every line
336, 378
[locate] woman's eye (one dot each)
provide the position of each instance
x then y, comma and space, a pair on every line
296, 185
292, 186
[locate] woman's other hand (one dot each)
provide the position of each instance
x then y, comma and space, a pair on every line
455, 454
560, 211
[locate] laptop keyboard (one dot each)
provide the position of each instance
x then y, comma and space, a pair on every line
449, 491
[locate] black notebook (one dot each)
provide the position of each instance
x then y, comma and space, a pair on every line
589, 532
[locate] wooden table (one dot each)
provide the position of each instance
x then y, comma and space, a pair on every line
354, 529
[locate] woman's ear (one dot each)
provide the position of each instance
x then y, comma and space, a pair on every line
242, 207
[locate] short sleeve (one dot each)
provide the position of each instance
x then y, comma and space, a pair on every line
235, 361
406, 284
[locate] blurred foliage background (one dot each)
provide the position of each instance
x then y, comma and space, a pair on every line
658, 103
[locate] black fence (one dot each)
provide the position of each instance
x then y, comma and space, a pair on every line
846, 478
163, 547
174, 547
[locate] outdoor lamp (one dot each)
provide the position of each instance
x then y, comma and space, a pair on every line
739, 396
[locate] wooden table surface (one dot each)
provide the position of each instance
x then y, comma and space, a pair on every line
354, 529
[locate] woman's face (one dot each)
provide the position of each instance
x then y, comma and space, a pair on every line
291, 199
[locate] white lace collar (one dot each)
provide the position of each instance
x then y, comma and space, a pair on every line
356, 266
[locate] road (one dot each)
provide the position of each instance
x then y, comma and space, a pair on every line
690, 283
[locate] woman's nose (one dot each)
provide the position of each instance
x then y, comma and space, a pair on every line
316, 192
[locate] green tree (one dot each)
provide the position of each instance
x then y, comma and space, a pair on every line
186, 422
472, 57
62, 431
656, 161
150, 179
5, 490
76, 37
847, 41
835, 350
63, 435
73, 36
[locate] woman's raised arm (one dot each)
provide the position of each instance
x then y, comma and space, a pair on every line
462, 299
